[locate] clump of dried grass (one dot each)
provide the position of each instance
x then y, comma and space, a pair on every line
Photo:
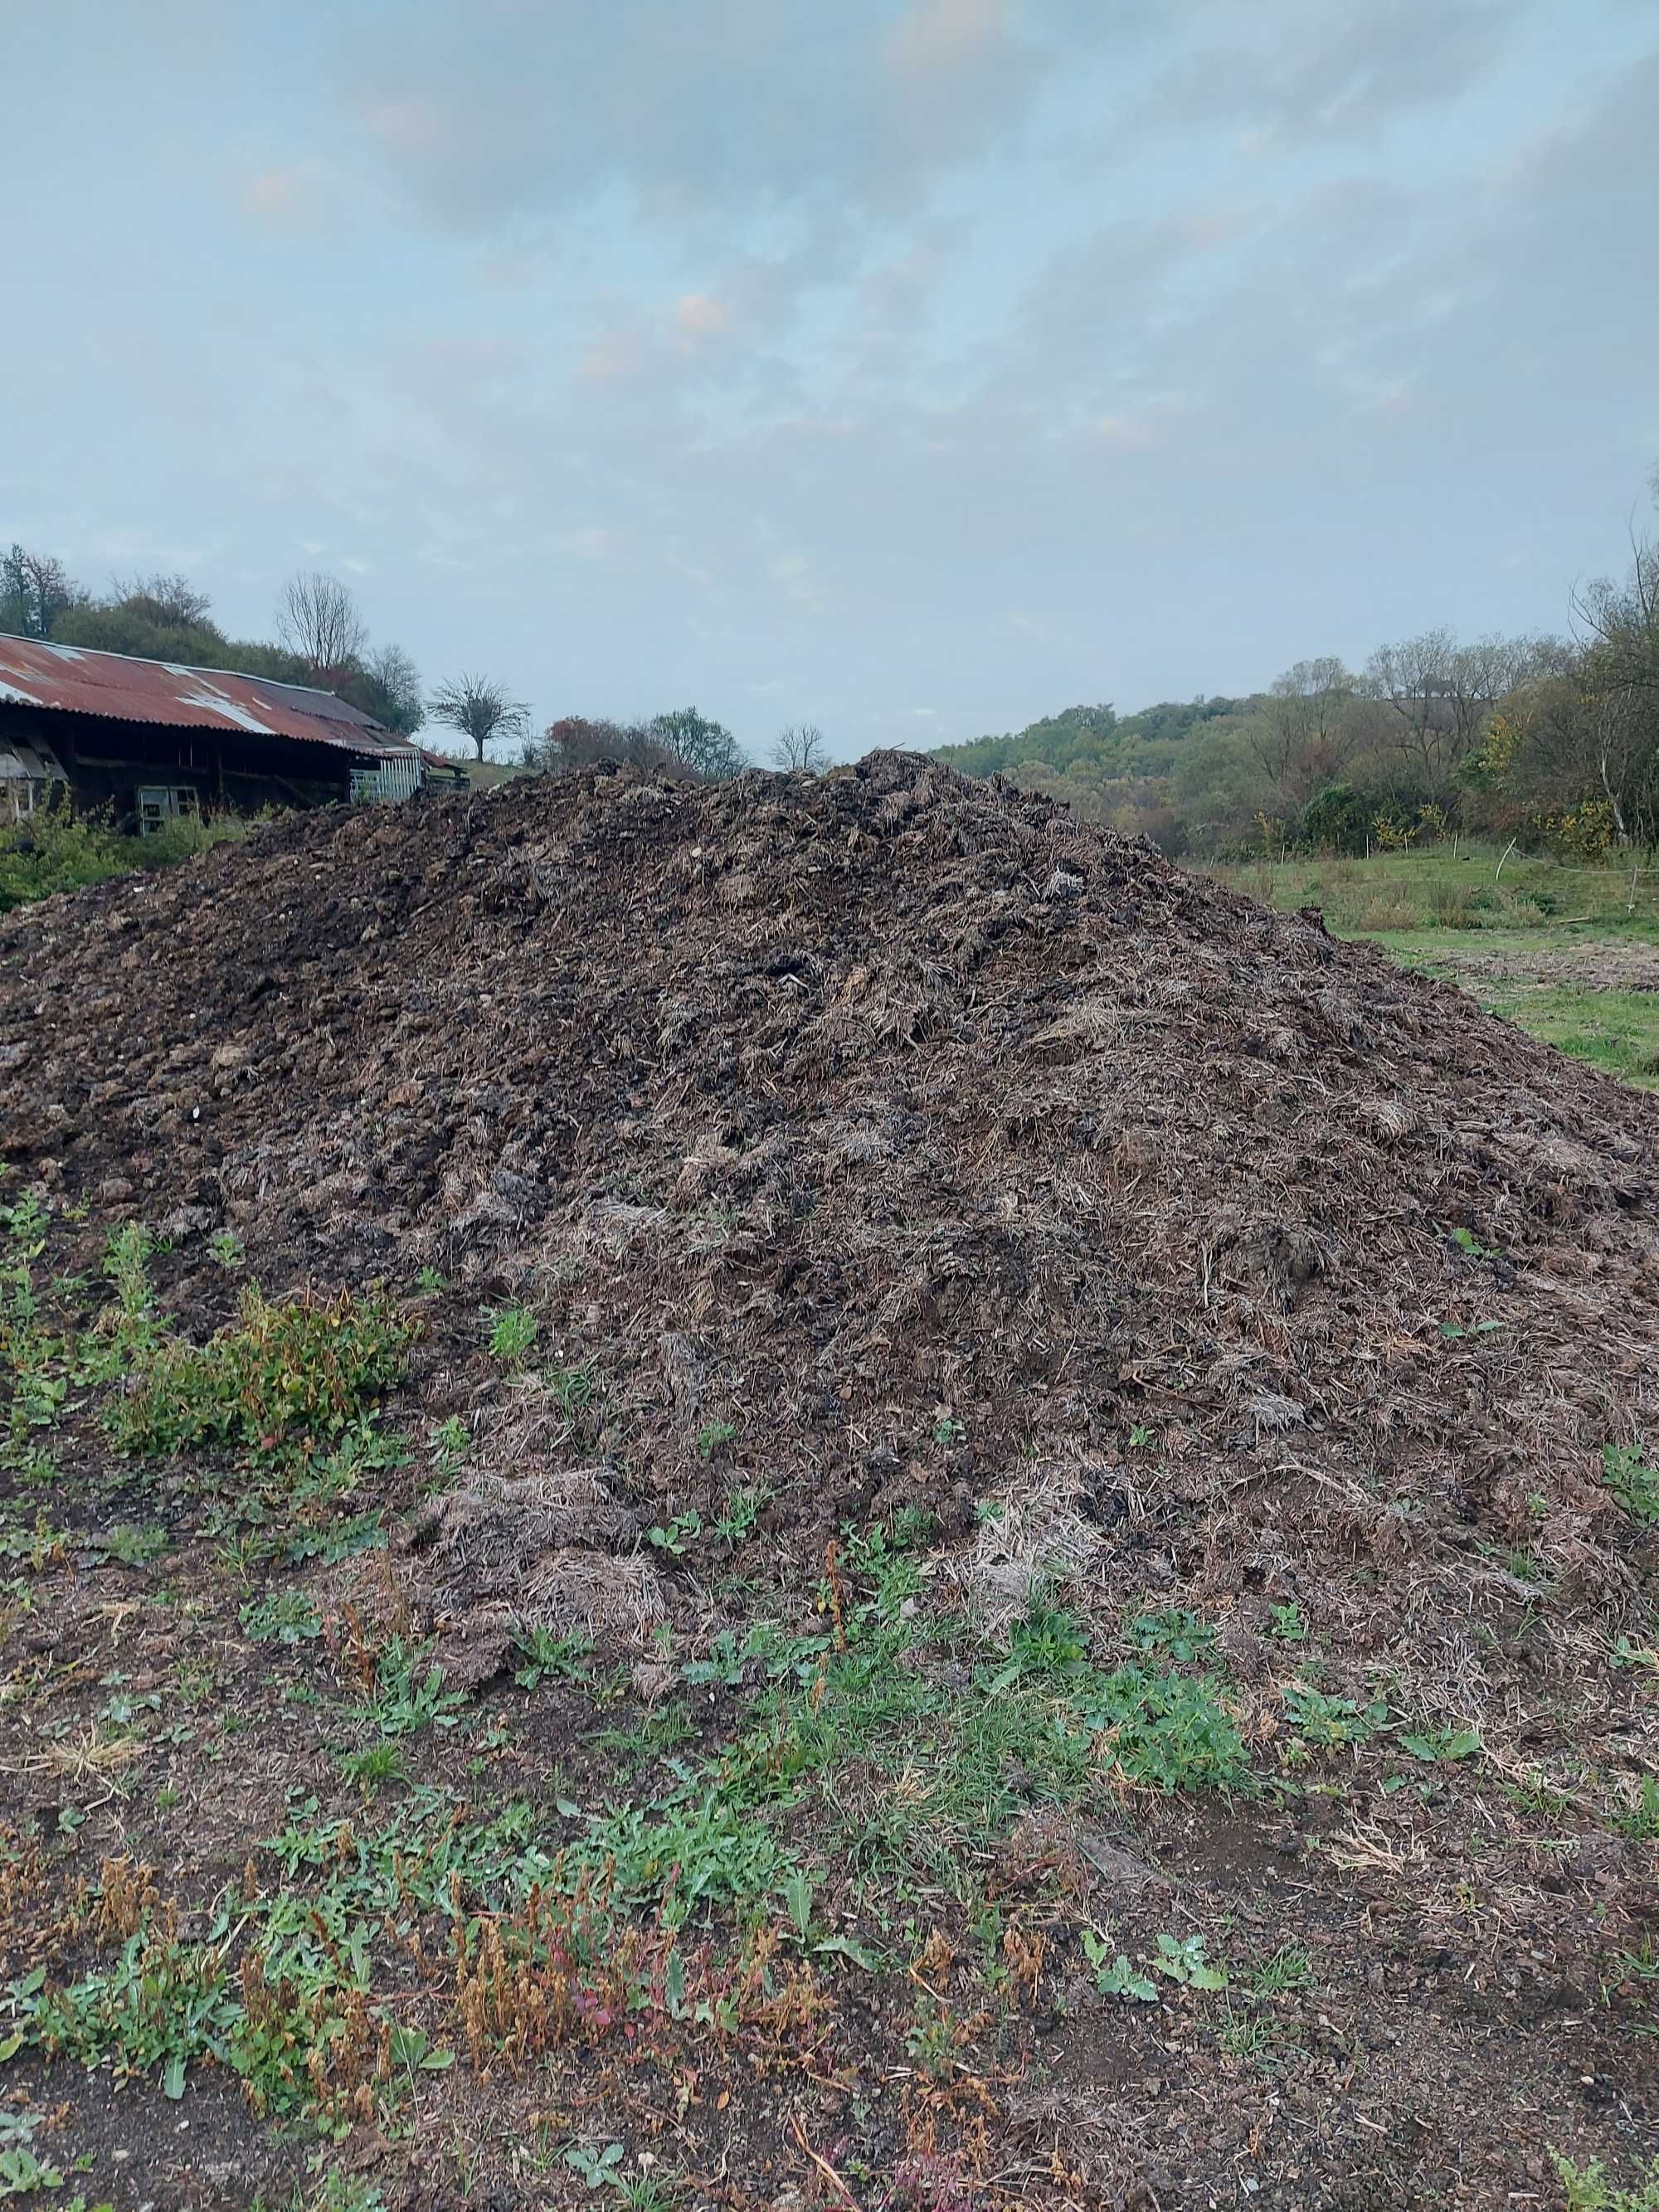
484, 1534
1034, 1534
605, 1596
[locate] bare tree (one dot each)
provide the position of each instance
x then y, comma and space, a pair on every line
171, 599
1618, 671
1618, 621
1302, 734
316, 618
35, 590
1414, 681
801, 744
480, 710
1481, 676
388, 686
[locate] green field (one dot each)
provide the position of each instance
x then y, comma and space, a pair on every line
1570, 953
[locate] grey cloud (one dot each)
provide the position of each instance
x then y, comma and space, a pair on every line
768, 354
514, 111
1307, 71
1337, 414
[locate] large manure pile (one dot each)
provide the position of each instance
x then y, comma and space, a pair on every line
892, 1171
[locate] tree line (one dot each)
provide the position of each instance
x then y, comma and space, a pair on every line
321, 639
1554, 741
682, 742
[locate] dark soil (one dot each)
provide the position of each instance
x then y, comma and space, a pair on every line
884, 1142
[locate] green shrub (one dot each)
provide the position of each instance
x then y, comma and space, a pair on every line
304, 1370
56, 850
1335, 820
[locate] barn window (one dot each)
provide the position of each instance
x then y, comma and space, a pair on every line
28, 774
159, 803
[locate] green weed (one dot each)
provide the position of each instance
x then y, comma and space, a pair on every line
1115, 1976
1183, 1959
1588, 2189
550, 1657
1174, 1630
23, 2170
409, 1694
596, 2168
743, 1507
1466, 1241
134, 1547
681, 1532
451, 1442
1331, 1724
283, 1617
1046, 1641
696, 1849
935, 2038
299, 1372
724, 1665
572, 1388
512, 1330
1290, 1968
1635, 1484
1641, 1819
1441, 1743
1245, 2035
377, 1765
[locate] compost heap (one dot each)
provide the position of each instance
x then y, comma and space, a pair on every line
942, 1147
872, 1155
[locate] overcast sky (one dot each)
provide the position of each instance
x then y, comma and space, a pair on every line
916, 367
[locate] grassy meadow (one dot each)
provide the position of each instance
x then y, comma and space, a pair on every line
1570, 953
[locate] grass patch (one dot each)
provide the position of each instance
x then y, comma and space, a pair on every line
919, 1752
1615, 1030
1431, 890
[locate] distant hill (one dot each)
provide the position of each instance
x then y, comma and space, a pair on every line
1145, 744
1107, 767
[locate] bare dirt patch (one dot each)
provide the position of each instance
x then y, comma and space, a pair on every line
1596, 965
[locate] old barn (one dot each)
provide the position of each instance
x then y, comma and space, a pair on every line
151, 740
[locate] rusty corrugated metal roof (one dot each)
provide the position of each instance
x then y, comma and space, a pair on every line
72, 679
